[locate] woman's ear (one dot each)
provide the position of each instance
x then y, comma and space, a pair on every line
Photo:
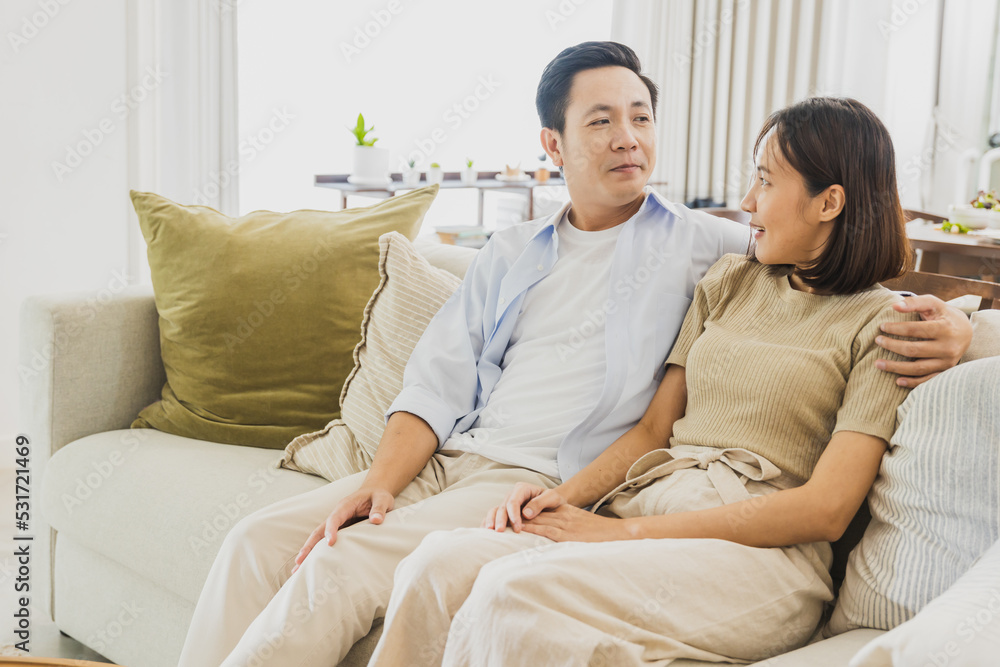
834, 200
550, 142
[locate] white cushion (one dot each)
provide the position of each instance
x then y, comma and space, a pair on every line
410, 293
985, 335
833, 652
160, 504
452, 258
961, 628
935, 504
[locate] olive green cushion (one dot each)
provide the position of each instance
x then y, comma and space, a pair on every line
259, 315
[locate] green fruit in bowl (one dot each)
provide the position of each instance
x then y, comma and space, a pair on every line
986, 200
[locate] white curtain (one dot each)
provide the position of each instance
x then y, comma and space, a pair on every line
724, 65
183, 139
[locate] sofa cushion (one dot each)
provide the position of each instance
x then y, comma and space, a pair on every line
833, 652
258, 314
985, 335
410, 293
452, 258
961, 628
121, 615
936, 503
160, 504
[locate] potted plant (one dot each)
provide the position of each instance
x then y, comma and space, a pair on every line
370, 165
434, 174
411, 175
469, 174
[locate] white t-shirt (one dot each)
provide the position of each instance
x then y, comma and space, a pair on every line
554, 368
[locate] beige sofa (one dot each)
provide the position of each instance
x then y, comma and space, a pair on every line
137, 516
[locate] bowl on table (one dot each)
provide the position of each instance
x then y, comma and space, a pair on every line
974, 218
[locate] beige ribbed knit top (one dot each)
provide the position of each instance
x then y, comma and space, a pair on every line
778, 371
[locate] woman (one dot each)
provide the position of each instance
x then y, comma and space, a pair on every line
776, 418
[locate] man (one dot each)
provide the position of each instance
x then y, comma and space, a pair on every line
552, 348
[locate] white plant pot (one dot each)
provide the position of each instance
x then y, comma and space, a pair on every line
370, 166
411, 178
435, 175
470, 176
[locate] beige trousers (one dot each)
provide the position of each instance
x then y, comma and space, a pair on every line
476, 597
252, 612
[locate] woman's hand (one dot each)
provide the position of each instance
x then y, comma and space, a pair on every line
514, 506
567, 523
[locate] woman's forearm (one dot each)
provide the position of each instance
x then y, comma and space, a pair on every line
652, 432
780, 519
608, 470
821, 509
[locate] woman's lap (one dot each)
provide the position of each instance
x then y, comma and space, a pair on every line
657, 599
672, 598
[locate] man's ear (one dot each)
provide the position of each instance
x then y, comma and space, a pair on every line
551, 142
833, 200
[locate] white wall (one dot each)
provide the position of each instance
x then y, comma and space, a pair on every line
58, 89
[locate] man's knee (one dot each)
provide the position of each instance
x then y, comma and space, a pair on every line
246, 534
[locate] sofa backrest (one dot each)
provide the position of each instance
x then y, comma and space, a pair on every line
451, 258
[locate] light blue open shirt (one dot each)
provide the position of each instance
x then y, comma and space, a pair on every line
661, 253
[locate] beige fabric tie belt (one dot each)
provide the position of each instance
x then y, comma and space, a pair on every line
722, 466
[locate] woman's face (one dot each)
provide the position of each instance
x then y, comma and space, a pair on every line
789, 225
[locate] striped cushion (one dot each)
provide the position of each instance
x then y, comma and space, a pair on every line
410, 293
936, 503
959, 629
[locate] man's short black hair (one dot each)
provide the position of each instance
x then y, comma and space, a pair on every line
552, 97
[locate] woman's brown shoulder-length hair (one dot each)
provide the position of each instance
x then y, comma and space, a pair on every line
841, 141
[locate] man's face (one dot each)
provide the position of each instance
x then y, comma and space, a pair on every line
608, 146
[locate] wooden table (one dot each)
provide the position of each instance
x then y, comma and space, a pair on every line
954, 254
452, 180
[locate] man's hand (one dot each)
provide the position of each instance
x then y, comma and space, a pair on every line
514, 507
944, 333
370, 503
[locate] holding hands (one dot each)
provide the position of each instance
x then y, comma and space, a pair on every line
547, 513
525, 501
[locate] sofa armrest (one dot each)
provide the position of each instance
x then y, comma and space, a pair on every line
89, 362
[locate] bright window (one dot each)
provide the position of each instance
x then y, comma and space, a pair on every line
440, 81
